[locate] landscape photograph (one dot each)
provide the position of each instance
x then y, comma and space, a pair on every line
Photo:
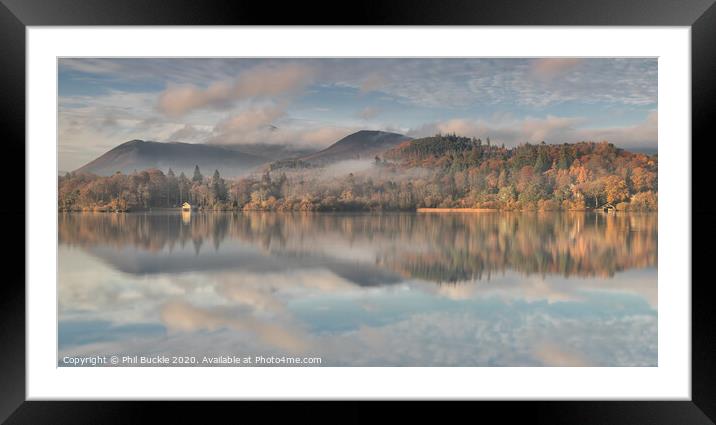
318, 212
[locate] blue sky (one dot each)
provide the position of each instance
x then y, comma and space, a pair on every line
316, 101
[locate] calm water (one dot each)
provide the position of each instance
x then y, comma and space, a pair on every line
403, 289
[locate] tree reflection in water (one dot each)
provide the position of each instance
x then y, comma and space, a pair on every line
410, 289
442, 248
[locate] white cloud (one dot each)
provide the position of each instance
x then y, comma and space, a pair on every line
259, 82
549, 68
237, 100
551, 129
419, 81
190, 134
528, 82
250, 120
271, 124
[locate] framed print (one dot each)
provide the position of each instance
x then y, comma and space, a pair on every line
483, 203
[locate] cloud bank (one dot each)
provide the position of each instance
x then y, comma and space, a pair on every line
259, 82
551, 129
106, 102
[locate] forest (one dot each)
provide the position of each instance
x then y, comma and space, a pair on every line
442, 171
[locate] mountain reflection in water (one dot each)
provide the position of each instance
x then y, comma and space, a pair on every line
485, 289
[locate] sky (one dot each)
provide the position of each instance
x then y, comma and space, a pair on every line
314, 102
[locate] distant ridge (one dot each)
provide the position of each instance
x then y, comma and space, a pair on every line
181, 157
364, 144
270, 151
236, 159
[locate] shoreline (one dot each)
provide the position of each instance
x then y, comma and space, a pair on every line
417, 210
452, 210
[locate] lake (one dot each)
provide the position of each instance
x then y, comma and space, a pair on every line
358, 289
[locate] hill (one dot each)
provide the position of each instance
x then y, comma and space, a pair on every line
272, 152
364, 144
181, 157
442, 171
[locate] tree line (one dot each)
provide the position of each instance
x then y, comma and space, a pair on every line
141, 190
443, 171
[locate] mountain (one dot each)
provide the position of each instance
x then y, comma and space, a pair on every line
272, 152
364, 144
234, 160
455, 172
140, 155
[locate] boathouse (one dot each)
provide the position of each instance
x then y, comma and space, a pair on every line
607, 208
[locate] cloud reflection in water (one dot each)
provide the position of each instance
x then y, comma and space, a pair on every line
568, 289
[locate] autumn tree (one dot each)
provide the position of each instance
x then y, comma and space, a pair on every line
593, 190
615, 189
438, 171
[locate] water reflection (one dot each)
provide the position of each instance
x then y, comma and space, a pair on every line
487, 289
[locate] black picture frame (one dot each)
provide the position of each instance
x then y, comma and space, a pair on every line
700, 15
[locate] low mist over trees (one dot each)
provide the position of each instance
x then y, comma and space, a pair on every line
443, 171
